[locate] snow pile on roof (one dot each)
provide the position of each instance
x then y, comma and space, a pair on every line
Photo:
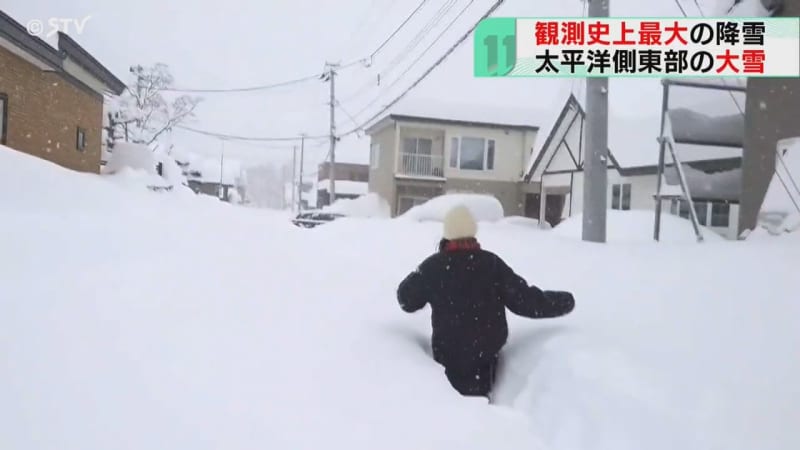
780, 209
369, 206
636, 226
344, 187
691, 126
723, 185
469, 112
485, 208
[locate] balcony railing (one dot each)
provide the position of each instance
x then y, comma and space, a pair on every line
421, 165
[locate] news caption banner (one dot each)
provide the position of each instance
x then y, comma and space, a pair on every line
637, 47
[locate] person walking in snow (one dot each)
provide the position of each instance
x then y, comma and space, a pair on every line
469, 289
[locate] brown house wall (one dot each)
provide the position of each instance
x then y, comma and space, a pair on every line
45, 111
345, 171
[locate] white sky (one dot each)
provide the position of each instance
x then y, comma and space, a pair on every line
235, 43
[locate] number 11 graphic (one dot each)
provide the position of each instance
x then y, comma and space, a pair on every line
495, 47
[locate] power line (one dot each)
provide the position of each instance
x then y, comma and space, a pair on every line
247, 138
316, 76
251, 88
386, 41
699, 8
421, 55
683, 11
420, 36
436, 64
722, 79
360, 25
440, 13
339, 105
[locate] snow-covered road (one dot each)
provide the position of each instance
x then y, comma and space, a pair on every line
133, 320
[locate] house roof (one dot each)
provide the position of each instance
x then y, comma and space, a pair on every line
71, 48
17, 34
633, 141
37, 48
460, 114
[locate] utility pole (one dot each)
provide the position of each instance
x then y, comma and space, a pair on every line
300, 184
294, 177
221, 189
595, 186
332, 167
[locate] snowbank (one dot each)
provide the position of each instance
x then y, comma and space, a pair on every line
485, 208
524, 222
138, 157
366, 206
636, 226
164, 327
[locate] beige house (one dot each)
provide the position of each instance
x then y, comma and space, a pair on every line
414, 158
51, 100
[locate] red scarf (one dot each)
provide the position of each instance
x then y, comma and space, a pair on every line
462, 244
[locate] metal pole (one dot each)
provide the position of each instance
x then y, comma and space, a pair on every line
300, 184
595, 186
661, 152
685, 189
294, 178
332, 168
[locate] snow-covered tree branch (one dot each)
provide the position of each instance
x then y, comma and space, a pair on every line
145, 112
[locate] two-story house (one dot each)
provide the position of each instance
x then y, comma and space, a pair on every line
414, 158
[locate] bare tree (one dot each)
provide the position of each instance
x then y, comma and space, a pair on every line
144, 113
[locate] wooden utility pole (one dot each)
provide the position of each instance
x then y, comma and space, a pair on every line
300, 183
294, 176
331, 75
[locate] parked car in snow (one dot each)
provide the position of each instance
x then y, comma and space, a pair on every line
310, 219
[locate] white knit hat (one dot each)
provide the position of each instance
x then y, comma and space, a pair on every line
459, 224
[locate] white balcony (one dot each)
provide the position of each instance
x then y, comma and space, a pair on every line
421, 165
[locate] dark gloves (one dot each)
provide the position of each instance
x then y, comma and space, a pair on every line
558, 303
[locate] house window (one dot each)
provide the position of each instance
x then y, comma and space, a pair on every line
720, 214
417, 146
621, 197
683, 209
701, 209
374, 155
406, 202
454, 152
469, 153
3, 117
80, 143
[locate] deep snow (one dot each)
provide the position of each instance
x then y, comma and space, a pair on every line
139, 320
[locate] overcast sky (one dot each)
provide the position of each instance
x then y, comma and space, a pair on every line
235, 43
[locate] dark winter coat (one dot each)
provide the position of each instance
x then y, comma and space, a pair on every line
469, 289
